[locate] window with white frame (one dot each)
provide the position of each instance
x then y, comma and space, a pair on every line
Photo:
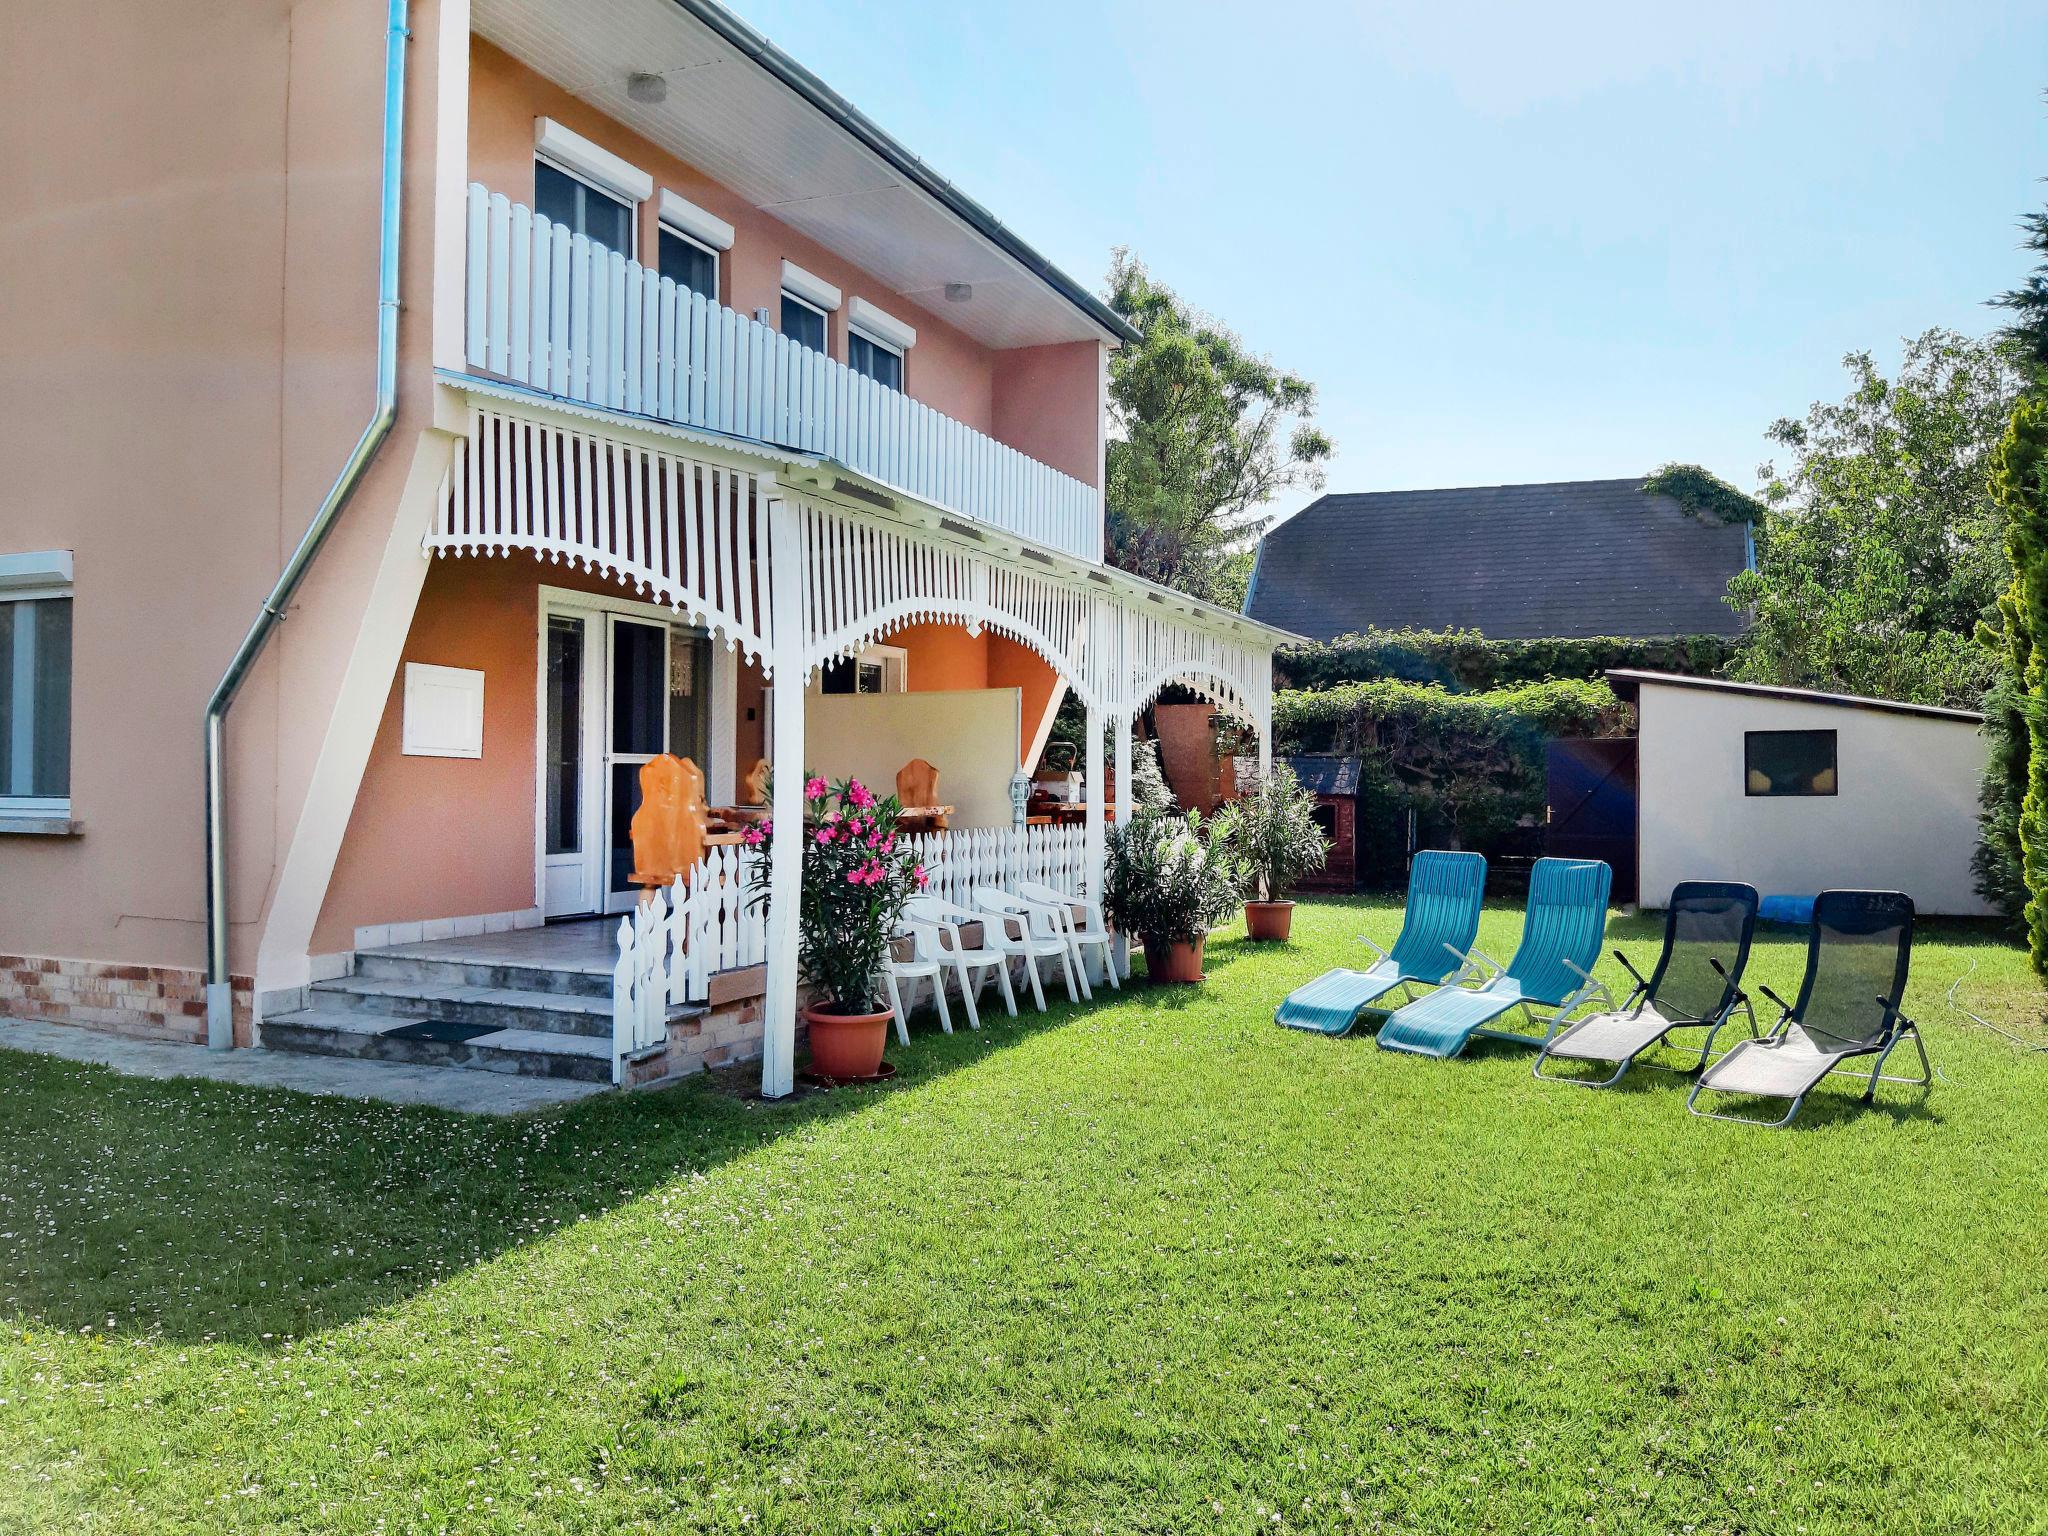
586, 189
876, 343
806, 300
35, 682
690, 242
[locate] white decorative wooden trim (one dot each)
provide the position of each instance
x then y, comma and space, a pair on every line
808, 286
880, 325
590, 160
700, 224
691, 535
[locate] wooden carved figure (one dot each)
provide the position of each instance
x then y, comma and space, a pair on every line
754, 787
669, 828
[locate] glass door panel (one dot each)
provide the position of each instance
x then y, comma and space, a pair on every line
639, 731
569, 755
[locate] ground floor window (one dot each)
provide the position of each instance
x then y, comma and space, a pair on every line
35, 703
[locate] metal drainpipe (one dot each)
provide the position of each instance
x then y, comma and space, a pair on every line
219, 1004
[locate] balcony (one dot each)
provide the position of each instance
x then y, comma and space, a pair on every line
561, 315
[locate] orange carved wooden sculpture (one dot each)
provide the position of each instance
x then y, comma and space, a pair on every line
917, 783
754, 787
668, 829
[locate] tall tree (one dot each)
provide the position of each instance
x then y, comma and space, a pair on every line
1882, 549
1202, 434
2028, 328
2019, 479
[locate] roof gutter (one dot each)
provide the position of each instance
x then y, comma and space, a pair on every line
219, 996
903, 162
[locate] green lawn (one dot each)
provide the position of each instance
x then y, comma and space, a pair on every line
1154, 1266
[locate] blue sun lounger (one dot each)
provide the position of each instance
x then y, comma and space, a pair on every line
1436, 930
1561, 933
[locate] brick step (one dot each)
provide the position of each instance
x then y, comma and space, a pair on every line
453, 1002
321, 1031
374, 965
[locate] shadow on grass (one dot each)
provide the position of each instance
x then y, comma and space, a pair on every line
190, 1210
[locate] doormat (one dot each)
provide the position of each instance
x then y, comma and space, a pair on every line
440, 1030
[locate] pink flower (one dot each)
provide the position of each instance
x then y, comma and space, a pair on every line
824, 835
752, 836
920, 877
860, 795
853, 878
814, 789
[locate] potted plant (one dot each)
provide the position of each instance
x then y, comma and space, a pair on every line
858, 873
1274, 832
1169, 881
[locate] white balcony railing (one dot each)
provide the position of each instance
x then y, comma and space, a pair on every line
559, 314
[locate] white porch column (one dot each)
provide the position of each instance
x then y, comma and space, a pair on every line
1265, 726
785, 863
1091, 837
1122, 726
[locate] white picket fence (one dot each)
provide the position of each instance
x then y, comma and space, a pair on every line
555, 312
671, 946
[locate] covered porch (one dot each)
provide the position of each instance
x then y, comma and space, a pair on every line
651, 590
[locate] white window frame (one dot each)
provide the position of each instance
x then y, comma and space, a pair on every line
717, 260
36, 578
591, 163
632, 208
809, 288
823, 315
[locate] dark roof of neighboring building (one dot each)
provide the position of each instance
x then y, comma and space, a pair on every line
1627, 681
1336, 776
1516, 562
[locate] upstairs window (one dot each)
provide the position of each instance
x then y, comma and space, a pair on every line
35, 683
803, 323
876, 343
691, 240
875, 360
585, 188
582, 208
1788, 762
806, 300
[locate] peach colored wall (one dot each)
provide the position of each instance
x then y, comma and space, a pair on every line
946, 369
1011, 665
189, 246
1049, 403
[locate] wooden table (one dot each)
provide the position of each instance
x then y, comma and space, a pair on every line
923, 818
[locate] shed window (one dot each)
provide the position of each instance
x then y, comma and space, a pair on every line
1788, 762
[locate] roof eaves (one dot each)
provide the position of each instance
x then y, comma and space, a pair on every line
874, 137
1631, 678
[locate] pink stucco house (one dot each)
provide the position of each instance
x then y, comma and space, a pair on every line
416, 415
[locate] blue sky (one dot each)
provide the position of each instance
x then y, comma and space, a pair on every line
1507, 242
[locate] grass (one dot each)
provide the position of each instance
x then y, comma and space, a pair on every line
1155, 1266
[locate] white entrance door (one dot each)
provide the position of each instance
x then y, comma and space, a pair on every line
618, 688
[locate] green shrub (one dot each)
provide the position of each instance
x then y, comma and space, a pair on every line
1465, 661
1470, 766
1273, 828
1170, 879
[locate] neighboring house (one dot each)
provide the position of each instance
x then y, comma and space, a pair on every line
703, 387
1515, 562
1798, 792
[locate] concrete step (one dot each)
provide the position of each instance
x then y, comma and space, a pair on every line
494, 975
329, 1031
454, 1002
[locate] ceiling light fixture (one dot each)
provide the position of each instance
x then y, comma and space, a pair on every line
959, 293
648, 88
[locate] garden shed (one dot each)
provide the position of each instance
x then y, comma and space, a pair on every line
1798, 792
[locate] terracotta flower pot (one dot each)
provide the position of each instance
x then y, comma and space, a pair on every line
847, 1045
1170, 960
1269, 921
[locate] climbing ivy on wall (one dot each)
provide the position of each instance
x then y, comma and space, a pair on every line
1703, 495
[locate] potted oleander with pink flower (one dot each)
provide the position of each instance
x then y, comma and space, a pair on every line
858, 872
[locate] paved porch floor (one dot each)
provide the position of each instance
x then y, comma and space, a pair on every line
584, 944
480, 1093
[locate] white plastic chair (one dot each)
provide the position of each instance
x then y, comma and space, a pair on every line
923, 965
1091, 933
972, 965
1017, 927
